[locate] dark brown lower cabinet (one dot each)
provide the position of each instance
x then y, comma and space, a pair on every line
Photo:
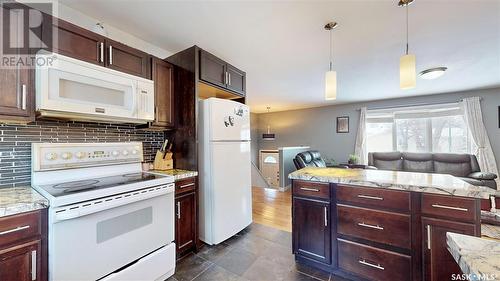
438, 262
23, 246
20, 262
186, 217
312, 232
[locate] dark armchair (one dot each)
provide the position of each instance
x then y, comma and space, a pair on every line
310, 158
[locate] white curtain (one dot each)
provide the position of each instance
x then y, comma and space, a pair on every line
474, 120
360, 146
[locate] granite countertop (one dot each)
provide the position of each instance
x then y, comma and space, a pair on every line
178, 174
15, 200
476, 256
490, 231
418, 182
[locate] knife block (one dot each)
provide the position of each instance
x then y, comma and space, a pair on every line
163, 163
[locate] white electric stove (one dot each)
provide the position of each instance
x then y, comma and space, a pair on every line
108, 220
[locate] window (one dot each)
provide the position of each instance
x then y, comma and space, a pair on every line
439, 128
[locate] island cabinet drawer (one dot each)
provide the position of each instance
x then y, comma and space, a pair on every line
458, 208
378, 226
18, 227
375, 197
373, 263
311, 189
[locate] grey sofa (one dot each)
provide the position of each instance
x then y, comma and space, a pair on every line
463, 166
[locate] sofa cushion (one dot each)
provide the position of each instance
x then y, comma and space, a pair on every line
418, 162
454, 164
388, 161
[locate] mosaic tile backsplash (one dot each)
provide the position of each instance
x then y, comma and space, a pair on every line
15, 143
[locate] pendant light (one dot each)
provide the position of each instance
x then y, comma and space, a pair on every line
331, 75
268, 135
407, 63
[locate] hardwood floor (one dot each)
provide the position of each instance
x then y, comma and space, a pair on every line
272, 207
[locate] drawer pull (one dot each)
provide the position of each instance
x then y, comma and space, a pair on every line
377, 266
450, 207
370, 226
370, 197
186, 185
326, 216
428, 237
309, 189
19, 228
33, 265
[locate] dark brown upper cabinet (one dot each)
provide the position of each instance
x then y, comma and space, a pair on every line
219, 73
163, 76
17, 91
126, 59
236, 80
79, 43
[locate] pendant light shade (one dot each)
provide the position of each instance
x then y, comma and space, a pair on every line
407, 72
268, 135
331, 75
407, 63
331, 85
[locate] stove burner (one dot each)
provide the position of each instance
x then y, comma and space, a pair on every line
76, 184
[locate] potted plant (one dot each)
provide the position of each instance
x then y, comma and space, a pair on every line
353, 159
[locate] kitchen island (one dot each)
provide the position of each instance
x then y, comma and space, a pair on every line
381, 225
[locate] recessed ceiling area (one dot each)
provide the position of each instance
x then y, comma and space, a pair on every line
285, 50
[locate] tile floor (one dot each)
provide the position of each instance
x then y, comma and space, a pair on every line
257, 253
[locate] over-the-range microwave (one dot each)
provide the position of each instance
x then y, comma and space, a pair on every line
72, 89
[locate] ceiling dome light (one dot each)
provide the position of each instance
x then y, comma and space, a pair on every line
433, 73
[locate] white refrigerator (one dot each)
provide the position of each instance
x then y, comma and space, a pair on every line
224, 169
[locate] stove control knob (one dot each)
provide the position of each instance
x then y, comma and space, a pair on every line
66, 155
125, 152
51, 156
115, 153
80, 155
134, 152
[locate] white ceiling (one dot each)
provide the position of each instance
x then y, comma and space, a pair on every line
284, 49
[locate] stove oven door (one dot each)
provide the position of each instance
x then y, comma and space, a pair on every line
92, 246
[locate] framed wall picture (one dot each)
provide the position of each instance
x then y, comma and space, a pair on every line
343, 124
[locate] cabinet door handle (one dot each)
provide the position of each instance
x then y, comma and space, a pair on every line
309, 189
178, 210
229, 78
377, 266
326, 216
23, 96
101, 58
186, 185
428, 237
33, 265
110, 55
370, 226
370, 197
450, 207
19, 228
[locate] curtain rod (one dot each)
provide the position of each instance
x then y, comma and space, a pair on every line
412, 105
